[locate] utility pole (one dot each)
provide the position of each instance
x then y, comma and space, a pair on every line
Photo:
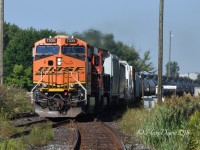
160, 53
1, 39
169, 63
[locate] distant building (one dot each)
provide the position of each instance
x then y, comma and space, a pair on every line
192, 75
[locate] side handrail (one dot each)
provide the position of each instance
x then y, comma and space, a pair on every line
42, 77
82, 88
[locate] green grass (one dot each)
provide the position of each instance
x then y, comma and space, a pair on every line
7, 129
194, 128
13, 144
14, 100
39, 136
165, 127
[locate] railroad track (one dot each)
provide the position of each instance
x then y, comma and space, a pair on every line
23, 115
27, 120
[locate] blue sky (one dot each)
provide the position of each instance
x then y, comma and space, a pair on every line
134, 22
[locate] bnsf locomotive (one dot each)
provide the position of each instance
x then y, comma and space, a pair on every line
70, 78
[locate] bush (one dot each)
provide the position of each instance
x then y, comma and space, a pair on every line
13, 100
165, 126
132, 120
194, 128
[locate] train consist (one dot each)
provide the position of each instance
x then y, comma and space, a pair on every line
72, 77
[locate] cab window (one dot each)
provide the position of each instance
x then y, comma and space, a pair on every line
71, 50
47, 49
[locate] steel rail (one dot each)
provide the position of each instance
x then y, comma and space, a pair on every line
115, 135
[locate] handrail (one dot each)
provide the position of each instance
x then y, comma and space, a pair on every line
42, 77
82, 88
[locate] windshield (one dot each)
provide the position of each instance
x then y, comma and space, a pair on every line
69, 50
47, 49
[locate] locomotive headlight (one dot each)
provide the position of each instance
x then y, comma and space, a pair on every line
44, 85
71, 85
59, 61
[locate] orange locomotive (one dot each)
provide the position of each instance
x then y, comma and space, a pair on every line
68, 77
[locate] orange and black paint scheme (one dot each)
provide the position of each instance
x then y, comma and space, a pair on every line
67, 77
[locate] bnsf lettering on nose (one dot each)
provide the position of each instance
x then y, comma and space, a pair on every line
59, 69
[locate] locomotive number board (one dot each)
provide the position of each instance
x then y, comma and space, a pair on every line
70, 41
51, 40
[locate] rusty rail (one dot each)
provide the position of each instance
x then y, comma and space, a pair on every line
76, 141
98, 135
115, 135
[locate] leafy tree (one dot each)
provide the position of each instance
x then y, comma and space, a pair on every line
144, 63
18, 51
9, 32
17, 76
20, 77
174, 68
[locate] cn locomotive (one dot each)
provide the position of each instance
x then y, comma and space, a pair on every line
72, 77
